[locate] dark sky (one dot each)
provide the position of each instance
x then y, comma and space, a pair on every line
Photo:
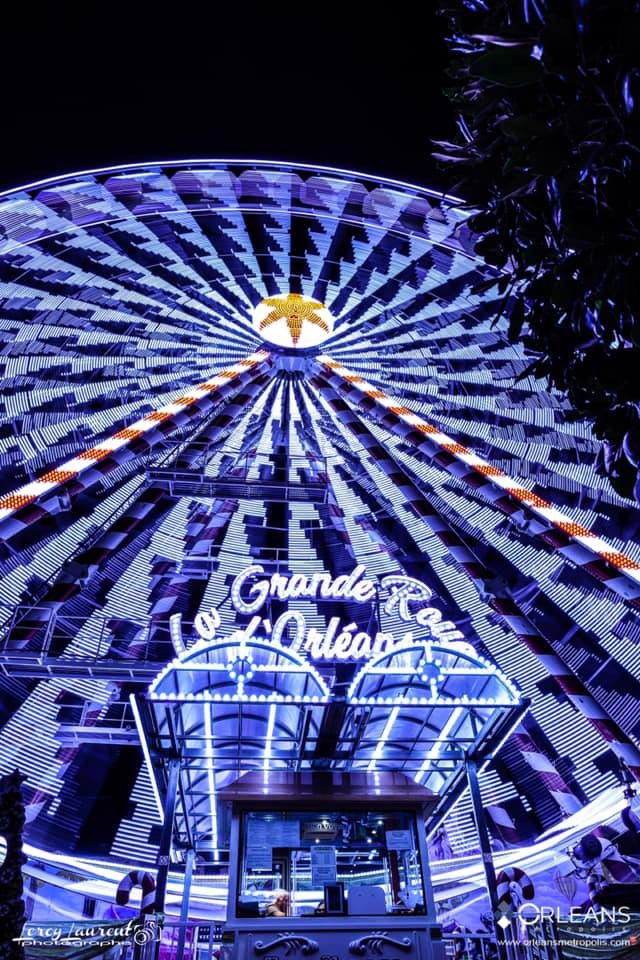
88, 84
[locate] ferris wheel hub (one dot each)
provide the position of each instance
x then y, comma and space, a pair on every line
293, 321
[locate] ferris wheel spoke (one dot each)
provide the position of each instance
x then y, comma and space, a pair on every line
29, 503
148, 502
613, 568
490, 588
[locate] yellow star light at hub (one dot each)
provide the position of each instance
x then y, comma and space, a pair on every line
292, 320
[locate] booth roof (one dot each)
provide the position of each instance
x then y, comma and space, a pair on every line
319, 787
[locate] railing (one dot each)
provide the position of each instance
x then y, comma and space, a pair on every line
40, 629
118, 716
177, 941
243, 466
39, 642
201, 451
188, 483
251, 475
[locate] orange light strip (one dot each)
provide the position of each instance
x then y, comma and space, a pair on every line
32, 492
493, 475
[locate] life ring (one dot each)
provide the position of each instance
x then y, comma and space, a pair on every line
137, 878
517, 876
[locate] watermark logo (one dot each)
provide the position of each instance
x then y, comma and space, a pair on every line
147, 933
85, 933
533, 914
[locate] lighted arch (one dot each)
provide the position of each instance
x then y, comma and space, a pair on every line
423, 707
428, 672
240, 669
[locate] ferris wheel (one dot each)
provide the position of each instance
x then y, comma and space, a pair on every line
211, 365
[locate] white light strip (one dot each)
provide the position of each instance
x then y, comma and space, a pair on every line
100, 877
377, 753
208, 751
269, 741
493, 475
146, 754
89, 459
440, 742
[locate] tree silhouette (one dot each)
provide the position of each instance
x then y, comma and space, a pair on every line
548, 154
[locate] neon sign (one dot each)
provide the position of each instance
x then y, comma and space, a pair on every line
403, 597
318, 586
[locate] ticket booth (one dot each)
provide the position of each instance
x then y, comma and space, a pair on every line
329, 861
330, 865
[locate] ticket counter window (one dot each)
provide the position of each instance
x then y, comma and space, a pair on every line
358, 864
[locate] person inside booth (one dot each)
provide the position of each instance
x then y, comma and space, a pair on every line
279, 906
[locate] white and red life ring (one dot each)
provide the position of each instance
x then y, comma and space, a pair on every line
513, 875
137, 878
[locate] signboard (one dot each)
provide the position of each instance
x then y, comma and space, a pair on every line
323, 865
404, 598
398, 840
320, 830
259, 858
259, 847
265, 835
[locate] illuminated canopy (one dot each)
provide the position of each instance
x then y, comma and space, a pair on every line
238, 705
240, 670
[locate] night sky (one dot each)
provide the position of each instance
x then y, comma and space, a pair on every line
88, 85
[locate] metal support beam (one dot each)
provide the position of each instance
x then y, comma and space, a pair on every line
184, 908
192, 483
35, 666
485, 851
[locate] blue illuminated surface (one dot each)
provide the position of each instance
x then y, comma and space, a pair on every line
122, 288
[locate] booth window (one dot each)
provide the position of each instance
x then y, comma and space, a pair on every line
327, 863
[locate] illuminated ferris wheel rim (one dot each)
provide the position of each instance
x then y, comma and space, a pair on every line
238, 161
373, 217
371, 182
